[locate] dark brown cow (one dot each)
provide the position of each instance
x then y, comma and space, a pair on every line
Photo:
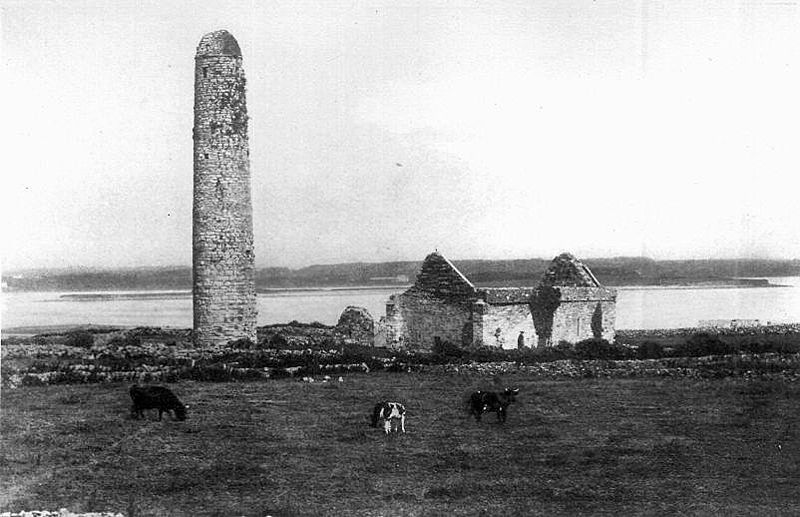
155, 397
488, 401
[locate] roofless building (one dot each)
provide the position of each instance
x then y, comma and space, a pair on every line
568, 304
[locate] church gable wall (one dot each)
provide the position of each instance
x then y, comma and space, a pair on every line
440, 278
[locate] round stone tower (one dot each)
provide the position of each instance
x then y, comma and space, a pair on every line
224, 293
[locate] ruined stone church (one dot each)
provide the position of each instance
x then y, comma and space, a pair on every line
568, 304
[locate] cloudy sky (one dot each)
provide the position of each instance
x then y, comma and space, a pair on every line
383, 130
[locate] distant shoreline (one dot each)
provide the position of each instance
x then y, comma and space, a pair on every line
695, 286
154, 293
147, 294
613, 272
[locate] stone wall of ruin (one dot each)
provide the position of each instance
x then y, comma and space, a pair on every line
575, 321
572, 314
417, 320
502, 324
392, 327
358, 325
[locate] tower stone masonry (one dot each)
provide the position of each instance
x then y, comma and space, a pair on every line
223, 264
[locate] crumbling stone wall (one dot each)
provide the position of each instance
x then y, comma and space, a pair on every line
571, 305
224, 295
544, 302
584, 314
392, 328
420, 320
573, 314
503, 323
357, 324
506, 313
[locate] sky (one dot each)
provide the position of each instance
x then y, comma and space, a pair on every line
381, 131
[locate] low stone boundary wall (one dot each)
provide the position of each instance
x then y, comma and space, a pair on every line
760, 330
744, 365
145, 374
61, 513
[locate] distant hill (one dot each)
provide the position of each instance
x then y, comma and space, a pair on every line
615, 271
91, 279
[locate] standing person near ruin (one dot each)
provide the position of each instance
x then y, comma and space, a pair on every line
521, 340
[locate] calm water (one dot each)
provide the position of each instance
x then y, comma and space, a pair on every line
636, 307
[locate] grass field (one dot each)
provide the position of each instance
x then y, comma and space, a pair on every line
283, 447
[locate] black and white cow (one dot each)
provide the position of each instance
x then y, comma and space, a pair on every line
389, 412
156, 397
489, 401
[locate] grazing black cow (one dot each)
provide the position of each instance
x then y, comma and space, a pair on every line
155, 397
487, 401
389, 412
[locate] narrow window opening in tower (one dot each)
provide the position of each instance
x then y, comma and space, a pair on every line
205, 72
205, 155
